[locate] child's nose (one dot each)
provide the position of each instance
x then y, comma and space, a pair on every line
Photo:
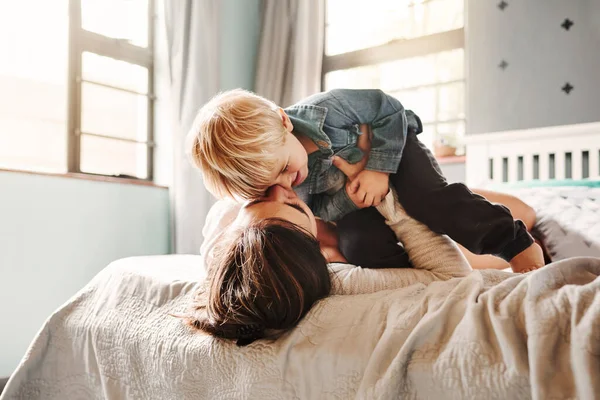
285, 181
279, 193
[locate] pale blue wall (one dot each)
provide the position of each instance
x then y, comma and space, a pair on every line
240, 35
55, 235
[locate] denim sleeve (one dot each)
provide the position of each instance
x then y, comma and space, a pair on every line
333, 207
386, 117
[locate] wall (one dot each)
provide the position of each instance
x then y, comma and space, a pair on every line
454, 171
240, 36
541, 58
55, 234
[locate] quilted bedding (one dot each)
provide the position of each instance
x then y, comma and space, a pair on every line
489, 335
568, 219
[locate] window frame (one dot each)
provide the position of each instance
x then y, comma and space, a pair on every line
81, 41
400, 49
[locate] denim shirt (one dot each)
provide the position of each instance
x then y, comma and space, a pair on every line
332, 121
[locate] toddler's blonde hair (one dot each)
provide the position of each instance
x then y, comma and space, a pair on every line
234, 142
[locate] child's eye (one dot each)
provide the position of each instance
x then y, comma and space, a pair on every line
285, 169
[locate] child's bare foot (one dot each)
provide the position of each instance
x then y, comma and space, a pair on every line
528, 260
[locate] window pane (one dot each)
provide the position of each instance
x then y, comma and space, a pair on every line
401, 74
421, 101
33, 84
32, 144
407, 73
113, 112
452, 134
450, 65
442, 15
119, 19
449, 133
113, 157
355, 78
451, 102
114, 72
395, 19
427, 137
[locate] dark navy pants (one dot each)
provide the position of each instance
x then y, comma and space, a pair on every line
450, 209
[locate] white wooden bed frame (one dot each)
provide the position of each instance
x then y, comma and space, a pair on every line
558, 152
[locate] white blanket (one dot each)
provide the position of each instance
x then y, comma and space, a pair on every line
488, 335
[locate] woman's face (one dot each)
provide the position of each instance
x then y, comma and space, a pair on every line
279, 203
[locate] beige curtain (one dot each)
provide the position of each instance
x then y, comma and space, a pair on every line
291, 50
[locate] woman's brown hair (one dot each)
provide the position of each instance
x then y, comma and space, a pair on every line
262, 283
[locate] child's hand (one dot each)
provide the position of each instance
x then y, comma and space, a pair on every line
369, 187
358, 201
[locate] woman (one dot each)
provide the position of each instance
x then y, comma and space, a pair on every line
271, 267
224, 212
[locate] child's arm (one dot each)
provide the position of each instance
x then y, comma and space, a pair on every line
329, 207
334, 207
426, 249
389, 123
387, 118
367, 188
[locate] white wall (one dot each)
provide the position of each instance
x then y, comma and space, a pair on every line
55, 234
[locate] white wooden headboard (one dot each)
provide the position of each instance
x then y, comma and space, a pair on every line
558, 152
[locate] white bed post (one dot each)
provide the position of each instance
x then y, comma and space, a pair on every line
543, 142
477, 165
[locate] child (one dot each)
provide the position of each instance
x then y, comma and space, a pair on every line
244, 144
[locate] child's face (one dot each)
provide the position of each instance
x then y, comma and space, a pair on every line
292, 168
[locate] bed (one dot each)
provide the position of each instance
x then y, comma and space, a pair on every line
488, 335
414, 334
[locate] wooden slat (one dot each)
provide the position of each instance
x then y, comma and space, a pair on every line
560, 165
497, 170
543, 166
594, 163
528, 167
513, 168
576, 172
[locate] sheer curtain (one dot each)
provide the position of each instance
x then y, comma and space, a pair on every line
192, 29
291, 50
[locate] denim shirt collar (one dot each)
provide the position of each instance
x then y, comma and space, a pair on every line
308, 120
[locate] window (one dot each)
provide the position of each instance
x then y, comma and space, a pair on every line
76, 87
411, 49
